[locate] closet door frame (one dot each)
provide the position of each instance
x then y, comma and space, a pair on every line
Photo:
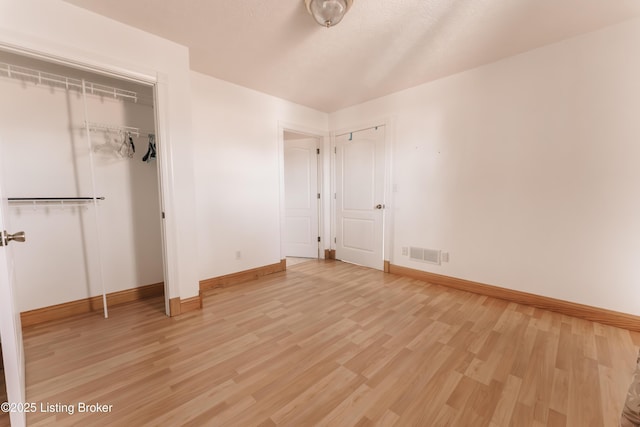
158, 83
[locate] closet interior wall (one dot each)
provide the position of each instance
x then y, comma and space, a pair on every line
45, 154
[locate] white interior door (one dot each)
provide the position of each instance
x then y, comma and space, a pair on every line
301, 198
10, 327
360, 167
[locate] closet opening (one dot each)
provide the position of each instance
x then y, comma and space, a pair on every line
80, 168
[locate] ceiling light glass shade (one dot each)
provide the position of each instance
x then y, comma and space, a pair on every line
328, 12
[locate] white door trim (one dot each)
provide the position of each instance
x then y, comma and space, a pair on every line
78, 59
323, 162
389, 138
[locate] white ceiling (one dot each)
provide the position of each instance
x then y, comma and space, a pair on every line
380, 47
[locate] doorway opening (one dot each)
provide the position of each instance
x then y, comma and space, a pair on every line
302, 197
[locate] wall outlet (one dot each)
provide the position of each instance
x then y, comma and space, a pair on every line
444, 256
238, 254
405, 251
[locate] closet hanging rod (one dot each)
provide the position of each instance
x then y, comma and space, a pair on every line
18, 202
41, 77
134, 131
52, 199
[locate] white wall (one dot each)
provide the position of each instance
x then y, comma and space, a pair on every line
237, 168
61, 30
45, 154
526, 170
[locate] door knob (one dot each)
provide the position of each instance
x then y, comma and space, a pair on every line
5, 238
379, 206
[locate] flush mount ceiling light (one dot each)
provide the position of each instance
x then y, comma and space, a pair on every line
328, 12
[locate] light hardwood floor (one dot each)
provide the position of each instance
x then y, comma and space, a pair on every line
291, 261
327, 343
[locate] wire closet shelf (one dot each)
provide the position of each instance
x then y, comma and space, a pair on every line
69, 83
52, 201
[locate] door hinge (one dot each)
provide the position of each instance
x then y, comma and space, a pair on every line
318, 195
318, 238
317, 151
334, 196
335, 240
162, 215
335, 150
